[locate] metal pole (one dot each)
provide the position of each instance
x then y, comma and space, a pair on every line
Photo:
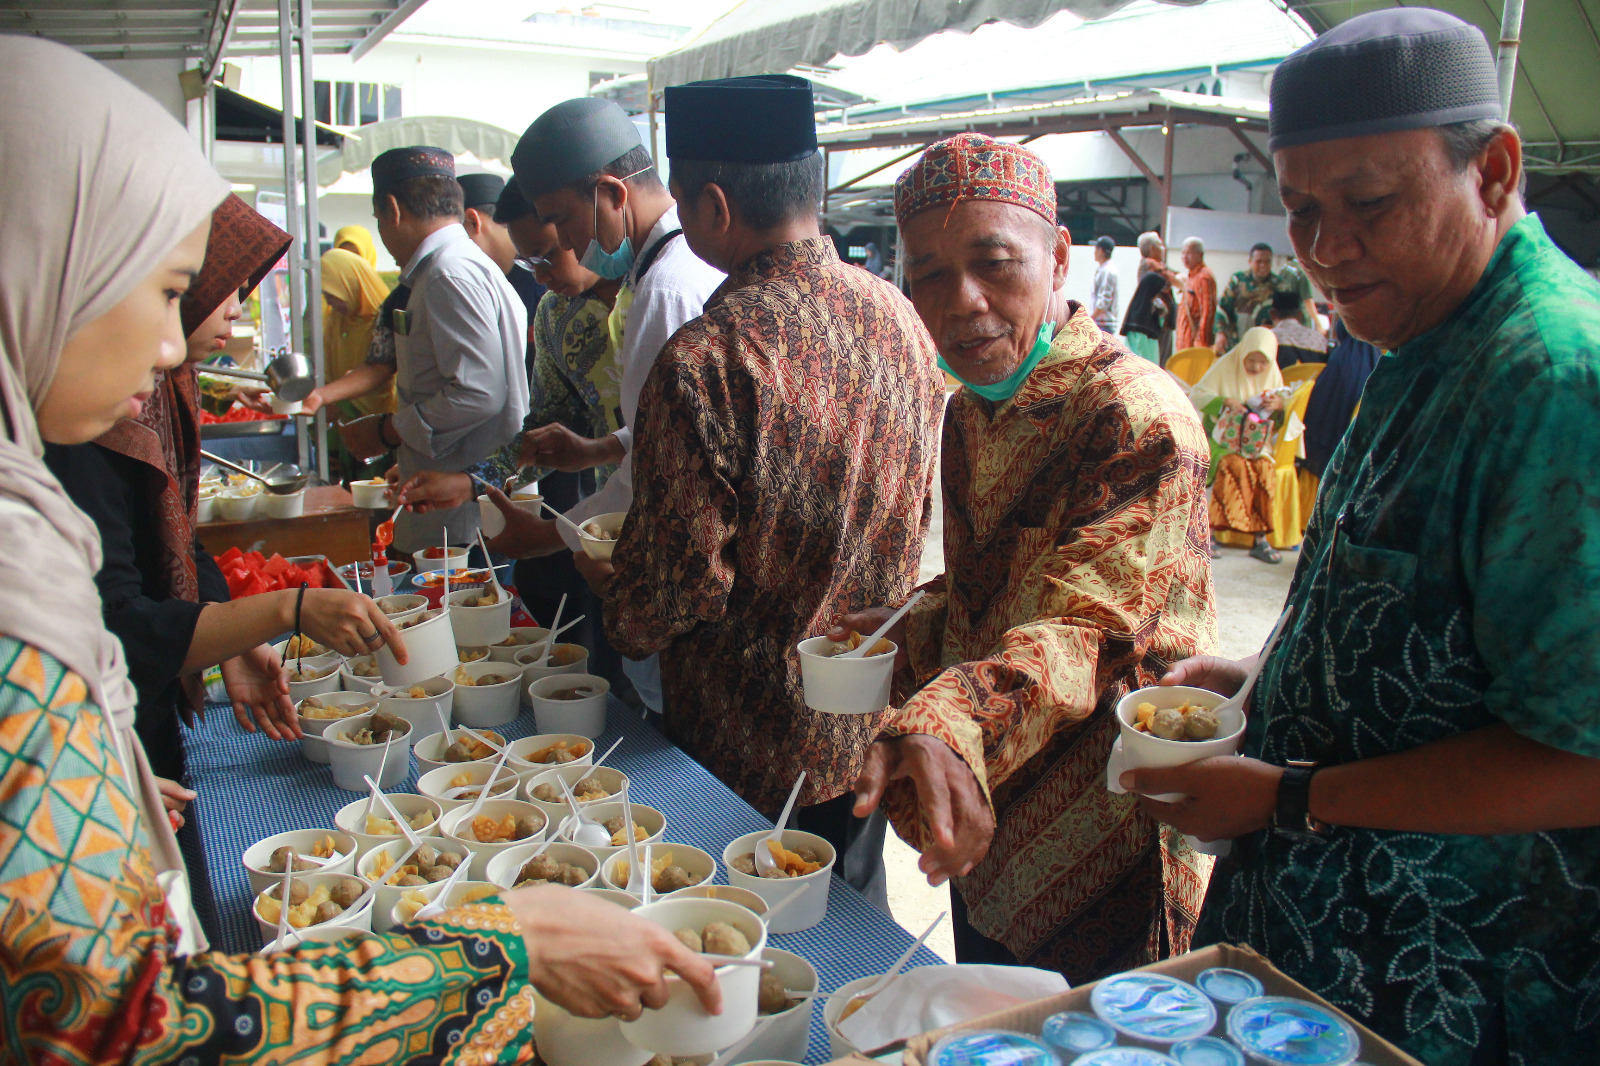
1510, 39
313, 305
291, 204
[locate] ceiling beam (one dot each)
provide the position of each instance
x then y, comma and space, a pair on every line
391, 22
1250, 146
222, 23
1138, 160
1038, 127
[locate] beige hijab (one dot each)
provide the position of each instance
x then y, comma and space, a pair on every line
100, 185
1227, 377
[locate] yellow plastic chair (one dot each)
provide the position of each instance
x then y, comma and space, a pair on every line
1302, 372
1295, 491
1191, 364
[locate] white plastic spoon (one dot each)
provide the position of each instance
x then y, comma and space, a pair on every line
872, 641
555, 627
894, 971
435, 907
563, 519
587, 831
283, 898
483, 797
400, 823
764, 860
631, 843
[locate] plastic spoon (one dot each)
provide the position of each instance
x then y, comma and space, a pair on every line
446, 601
400, 823
872, 641
587, 832
632, 844
555, 627
483, 796
1237, 700
549, 642
764, 860
384, 534
435, 907
383, 764
607, 755
563, 519
850, 1006
640, 877
283, 899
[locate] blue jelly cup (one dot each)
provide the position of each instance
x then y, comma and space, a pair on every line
1280, 1031
1227, 987
1077, 1033
992, 1047
1153, 1008
1125, 1056
1207, 1051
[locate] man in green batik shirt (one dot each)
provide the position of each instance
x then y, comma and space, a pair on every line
1416, 820
1250, 292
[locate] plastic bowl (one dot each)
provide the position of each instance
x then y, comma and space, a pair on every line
401, 605
584, 717
328, 682
357, 916
522, 751
480, 626
699, 865
611, 779
838, 1046
682, 1026
595, 547
386, 896
1141, 749
521, 637
576, 658
480, 706
565, 1040
283, 505
312, 745
652, 821
431, 646
258, 855
351, 681
353, 763
423, 712
455, 826
398, 569
237, 505
352, 819
812, 888
844, 686
788, 1037
372, 494
435, 783
504, 867
493, 522
434, 559
742, 896
430, 749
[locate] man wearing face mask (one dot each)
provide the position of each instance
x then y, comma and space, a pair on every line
1076, 569
585, 170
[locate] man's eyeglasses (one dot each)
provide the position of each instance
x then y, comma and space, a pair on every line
532, 262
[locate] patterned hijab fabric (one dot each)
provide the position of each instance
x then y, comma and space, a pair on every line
970, 166
1228, 377
242, 248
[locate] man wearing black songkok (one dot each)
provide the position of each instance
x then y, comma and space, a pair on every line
1416, 820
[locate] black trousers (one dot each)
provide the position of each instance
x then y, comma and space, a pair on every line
858, 841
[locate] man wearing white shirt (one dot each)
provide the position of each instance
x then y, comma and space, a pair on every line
585, 170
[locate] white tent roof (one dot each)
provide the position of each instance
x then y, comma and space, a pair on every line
762, 36
458, 136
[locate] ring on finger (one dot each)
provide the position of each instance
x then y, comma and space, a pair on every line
371, 638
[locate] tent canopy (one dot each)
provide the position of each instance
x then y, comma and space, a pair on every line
455, 135
763, 36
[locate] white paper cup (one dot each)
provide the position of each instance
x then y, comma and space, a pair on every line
352, 818
401, 605
423, 713
398, 911
312, 746
1141, 749
258, 855
480, 706
812, 888
505, 867
844, 686
698, 864
493, 522
328, 682
833, 1006
682, 1026
611, 895
351, 763
435, 783
611, 779
524, 750
742, 896
357, 916
431, 748
787, 1037
456, 826
480, 626
425, 562
585, 717
652, 821
470, 891
315, 936
206, 509
595, 547
283, 505
281, 649
372, 494
565, 1040
386, 896
521, 636
576, 658
284, 407
430, 646
236, 505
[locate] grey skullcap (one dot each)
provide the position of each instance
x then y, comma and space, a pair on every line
1398, 69
573, 139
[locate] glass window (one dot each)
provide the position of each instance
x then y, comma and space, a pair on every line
345, 99
323, 99
368, 94
391, 101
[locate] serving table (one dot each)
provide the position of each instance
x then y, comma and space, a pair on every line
332, 525
251, 787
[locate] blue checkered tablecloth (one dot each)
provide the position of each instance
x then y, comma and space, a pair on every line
251, 787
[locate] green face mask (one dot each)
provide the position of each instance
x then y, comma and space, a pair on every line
1000, 391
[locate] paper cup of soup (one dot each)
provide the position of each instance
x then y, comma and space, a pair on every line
257, 859
438, 784
313, 675
844, 686
678, 866
570, 703
565, 1040
206, 510
603, 784
651, 821
325, 710
351, 895
430, 647
283, 407
402, 605
810, 889
563, 659
434, 558
494, 523
545, 750
302, 646
742, 896
508, 822
1140, 748
560, 863
352, 761
682, 1026
787, 1038
372, 494
611, 895
315, 936
491, 698
283, 504
478, 623
505, 651
599, 534
237, 505
433, 750
420, 813
839, 1046
421, 704
378, 868
360, 674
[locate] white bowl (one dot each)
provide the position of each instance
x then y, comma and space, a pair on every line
352, 763
351, 681
425, 562
312, 746
812, 888
788, 1037
480, 706
1140, 749
833, 1006
329, 682
742, 896
284, 407
401, 605
316, 935
258, 855
649, 819
611, 895
585, 716
611, 779
699, 865
521, 637
372, 494
435, 783
471, 891
429, 894
386, 896
422, 712
430, 750
206, 509
357, 916
577, 655
283, 505
522, 751
430, 645
493, 522
682, 1026
844, 686
281, 649
565, 1040
593, 546
504, 867
352, 818
236, 505
454, 825
480, 626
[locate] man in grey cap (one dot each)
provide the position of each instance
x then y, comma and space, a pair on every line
1415, 818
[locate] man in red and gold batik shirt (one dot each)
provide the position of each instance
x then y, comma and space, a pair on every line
783, 470
1075, 534
1197, 327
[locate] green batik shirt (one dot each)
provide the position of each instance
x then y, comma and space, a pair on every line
1450, 580
1246, 294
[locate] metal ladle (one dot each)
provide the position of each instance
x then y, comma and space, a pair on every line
288, 375
281, 486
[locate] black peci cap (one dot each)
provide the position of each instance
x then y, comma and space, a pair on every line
480, 190
402, 164
769, 118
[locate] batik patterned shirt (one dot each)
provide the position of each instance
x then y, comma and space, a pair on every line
1246, 294
1197, 326
88, 973
1450, 580
782, 476
1077, 568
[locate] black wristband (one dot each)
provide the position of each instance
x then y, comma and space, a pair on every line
1292, 817
299, 601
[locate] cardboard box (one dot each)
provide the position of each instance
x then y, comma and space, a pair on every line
1029, 1017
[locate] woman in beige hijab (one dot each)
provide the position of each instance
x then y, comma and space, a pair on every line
105, 210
